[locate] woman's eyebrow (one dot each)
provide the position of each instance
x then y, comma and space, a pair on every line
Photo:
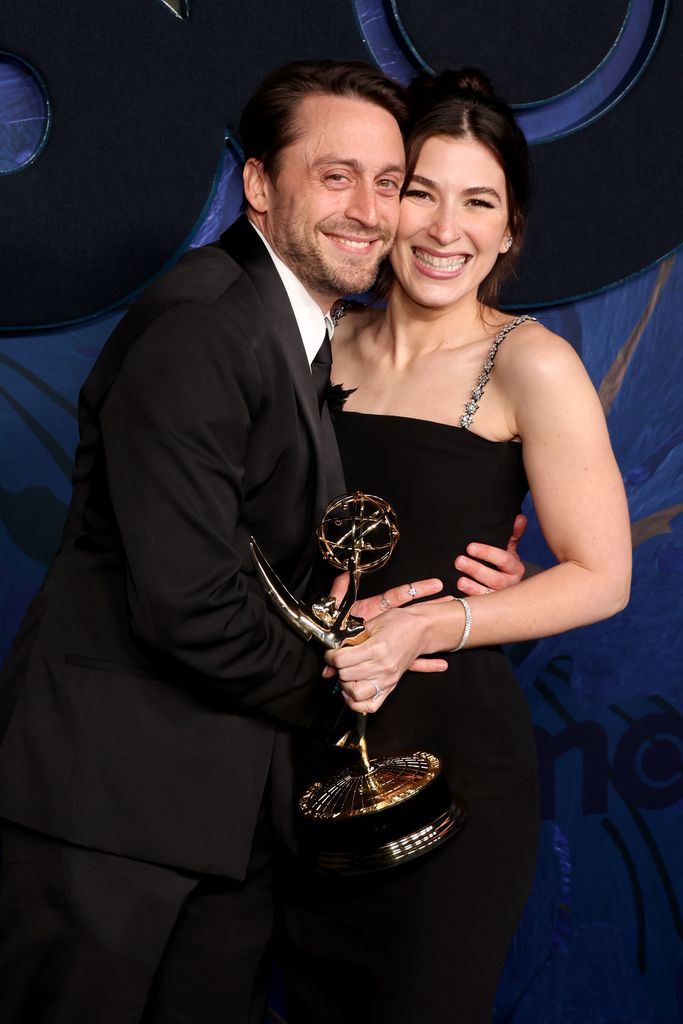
481, 190
423, 181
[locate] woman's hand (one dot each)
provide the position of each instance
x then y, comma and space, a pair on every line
368, 672
370, 607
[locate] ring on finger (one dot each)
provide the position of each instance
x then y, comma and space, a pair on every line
378, 689
383, 601
412, 590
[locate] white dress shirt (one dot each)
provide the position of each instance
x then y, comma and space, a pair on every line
311, 320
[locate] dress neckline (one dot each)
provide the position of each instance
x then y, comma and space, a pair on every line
471, 406
462, 431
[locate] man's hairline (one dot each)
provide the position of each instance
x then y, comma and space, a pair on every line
312, 93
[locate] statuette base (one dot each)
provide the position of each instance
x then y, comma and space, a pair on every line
364, 820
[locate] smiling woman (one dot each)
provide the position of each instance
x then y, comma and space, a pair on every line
454, 411
454, 222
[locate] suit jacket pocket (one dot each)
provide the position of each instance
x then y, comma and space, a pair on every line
106, 665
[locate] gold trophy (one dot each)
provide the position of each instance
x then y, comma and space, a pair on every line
381, 811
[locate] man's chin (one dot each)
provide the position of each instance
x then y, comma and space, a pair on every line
351, 280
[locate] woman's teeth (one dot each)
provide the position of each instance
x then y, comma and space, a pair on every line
439, 262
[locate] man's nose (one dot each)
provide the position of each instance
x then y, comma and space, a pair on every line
363, 205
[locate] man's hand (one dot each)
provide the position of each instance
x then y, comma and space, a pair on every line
509, 568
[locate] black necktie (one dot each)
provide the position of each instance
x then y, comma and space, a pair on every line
320, 370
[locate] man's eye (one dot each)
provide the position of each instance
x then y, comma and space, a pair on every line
388, 185
336, 178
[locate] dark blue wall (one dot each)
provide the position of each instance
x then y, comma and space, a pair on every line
602, 938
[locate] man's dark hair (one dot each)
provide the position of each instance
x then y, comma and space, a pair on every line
269, 122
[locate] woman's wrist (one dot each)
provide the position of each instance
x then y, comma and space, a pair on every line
467, 625
445, 623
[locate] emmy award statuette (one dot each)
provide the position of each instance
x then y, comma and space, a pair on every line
381, 811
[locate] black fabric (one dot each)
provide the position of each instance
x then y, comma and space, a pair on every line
90, 937
145, 688
423, 943
447, 487
428, 940
320, 369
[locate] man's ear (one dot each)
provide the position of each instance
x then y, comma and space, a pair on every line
255, 185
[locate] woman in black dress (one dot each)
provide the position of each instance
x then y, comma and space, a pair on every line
457, 408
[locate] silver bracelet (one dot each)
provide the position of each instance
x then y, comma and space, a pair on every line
468, 624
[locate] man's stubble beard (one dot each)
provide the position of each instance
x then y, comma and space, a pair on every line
319, 273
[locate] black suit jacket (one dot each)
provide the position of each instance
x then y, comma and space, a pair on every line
146, 689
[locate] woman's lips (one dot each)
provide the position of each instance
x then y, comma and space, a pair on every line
439, 264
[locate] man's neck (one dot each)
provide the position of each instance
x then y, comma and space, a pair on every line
258, 221
311, 320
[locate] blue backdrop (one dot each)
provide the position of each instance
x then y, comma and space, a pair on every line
602, 937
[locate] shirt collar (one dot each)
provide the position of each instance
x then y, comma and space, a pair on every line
311, 320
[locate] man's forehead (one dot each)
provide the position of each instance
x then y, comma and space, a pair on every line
350, 131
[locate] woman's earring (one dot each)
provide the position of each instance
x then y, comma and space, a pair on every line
508, 243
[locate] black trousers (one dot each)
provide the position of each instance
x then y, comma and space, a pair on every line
90, 938
422, 943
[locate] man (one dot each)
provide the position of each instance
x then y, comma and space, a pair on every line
142, 766
145, 766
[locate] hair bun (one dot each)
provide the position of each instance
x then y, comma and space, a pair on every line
426, 89
474, 80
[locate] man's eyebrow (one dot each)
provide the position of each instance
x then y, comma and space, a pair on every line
355, 165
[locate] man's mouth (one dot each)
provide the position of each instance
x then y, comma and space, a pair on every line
354, 245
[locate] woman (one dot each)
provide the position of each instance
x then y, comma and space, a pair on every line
455, 407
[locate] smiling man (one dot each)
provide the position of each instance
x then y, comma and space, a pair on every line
330, 210
145, 766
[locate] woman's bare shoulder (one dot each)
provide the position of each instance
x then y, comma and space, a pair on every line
535, 351
353, 319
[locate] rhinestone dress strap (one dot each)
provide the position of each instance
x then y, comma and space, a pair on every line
342, 307
483, 379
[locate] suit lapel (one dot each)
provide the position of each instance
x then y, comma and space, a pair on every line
246, 248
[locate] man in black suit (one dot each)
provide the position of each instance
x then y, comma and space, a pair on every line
148, 696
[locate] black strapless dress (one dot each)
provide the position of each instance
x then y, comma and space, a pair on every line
448, 486
425, 942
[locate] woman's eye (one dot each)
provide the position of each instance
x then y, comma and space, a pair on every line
480, 202
416, 193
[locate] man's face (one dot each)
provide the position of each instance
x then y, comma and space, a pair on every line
332, 210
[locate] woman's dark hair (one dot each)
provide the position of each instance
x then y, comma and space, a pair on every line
463, 105
269, 121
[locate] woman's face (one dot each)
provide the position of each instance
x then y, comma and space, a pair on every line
453, 222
